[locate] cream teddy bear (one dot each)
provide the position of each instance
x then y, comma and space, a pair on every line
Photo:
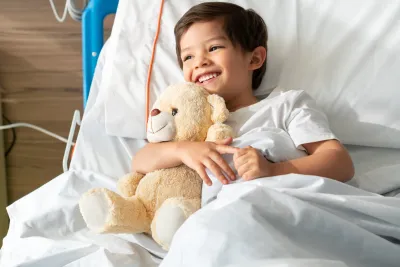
159, 202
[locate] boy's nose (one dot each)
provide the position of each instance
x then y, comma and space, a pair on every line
155, 112
202, 62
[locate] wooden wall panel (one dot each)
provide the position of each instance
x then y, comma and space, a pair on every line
41, 83
3, 187
41, 77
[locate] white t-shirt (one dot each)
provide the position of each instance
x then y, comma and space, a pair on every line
280, 124
277, 126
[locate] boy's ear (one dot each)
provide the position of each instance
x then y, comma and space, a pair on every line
258, 57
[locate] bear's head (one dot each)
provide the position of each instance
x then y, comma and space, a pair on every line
187, 112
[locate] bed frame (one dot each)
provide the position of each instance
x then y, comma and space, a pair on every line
92, 43
93, 39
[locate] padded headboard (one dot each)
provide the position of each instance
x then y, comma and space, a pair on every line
92, 38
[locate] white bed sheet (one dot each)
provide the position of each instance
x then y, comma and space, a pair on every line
46, 228
377, 169
297, 220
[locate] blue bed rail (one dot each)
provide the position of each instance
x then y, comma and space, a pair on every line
92, 38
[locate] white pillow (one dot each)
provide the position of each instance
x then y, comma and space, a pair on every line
347, 57
130, 52
345, 54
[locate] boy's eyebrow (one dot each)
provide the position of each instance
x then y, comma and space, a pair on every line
219, 37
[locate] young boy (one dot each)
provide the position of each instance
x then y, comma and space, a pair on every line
223, 47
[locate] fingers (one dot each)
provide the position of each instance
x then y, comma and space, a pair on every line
244, 169
223, 146
226, 141
250, 175
245, 163
241, 157
203, 175
241, 151
214, 168
250, 151
240, 160
248, 171
222, 149
223, 165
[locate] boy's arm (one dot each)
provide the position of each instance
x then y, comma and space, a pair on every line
305, 124
326, 158
155, 156
196, 155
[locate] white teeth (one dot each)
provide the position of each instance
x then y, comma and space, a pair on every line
206, 77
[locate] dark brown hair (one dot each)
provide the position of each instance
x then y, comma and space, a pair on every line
243, 27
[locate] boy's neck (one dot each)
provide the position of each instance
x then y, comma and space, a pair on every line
241, 101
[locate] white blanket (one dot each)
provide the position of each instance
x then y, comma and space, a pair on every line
273, 143
291, 220
47, 229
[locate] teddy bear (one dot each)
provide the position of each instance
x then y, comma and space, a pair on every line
159, 202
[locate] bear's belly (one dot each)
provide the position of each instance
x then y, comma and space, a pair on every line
158, 186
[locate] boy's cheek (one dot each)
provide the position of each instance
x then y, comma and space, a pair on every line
186, 73
185, 76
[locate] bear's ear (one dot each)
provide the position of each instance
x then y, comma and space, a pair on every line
219, 111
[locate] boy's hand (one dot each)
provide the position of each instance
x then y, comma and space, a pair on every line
201, 155
251, 164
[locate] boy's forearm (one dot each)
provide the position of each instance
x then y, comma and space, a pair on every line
156, 156
332, 164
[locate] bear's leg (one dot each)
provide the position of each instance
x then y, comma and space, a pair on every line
107, 212
128, 183
169, 217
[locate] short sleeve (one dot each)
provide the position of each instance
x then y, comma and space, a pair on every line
306, 123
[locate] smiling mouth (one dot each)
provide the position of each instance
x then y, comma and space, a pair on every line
207, 77
158, 129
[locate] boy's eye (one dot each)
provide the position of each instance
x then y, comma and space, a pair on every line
187, 58
213, 48
174, 111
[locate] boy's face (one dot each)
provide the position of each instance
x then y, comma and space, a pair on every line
210, 59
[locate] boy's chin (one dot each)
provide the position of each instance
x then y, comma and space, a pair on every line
212, 89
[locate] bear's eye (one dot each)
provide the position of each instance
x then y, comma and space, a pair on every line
174, 111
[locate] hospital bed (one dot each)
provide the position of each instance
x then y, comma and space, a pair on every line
344, 53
